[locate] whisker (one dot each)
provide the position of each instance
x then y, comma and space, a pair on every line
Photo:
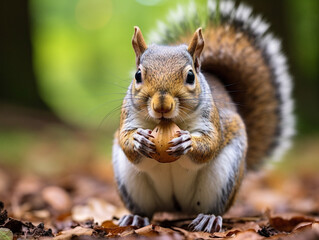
107, 115
183, 112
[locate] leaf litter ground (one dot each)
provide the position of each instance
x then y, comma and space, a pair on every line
76, 198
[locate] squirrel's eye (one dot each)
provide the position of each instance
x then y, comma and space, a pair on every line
138, 76
190, 79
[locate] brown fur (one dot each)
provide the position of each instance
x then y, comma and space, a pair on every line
224, 59
241, 64
139, 44
232, 57
125, 138
207, 147
162, 82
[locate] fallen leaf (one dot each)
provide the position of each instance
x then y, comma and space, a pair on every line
6, 234
26, 198
19, 228
97, 209
306, 225
111, 230
239, 225
57, 198
162, 229
78, 231
42, 214
287, 225
249, 234
148, 231
193, 235
108, 224
232, 232
315, 226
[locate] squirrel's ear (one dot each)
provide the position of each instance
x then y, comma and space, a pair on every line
139, 44
195, 47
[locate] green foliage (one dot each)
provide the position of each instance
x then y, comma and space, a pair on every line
6, 234
303, 50
83, 54
217, 17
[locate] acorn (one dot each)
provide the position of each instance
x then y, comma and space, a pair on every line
163, 133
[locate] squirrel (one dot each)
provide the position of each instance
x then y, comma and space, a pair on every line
228, 89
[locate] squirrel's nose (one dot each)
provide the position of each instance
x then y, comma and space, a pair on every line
162, 103
162, 108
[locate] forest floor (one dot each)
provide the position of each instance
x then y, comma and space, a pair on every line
56, 182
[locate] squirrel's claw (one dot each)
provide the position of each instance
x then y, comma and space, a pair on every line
181, 144
183, 136
206, 223
133, 220
142, 144
145, 132
180, 149
143, 139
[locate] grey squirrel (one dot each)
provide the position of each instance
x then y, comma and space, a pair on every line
228, 90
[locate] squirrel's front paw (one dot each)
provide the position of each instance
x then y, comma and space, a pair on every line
142, 143
181, 144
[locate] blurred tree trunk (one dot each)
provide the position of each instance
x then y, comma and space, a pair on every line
18, 84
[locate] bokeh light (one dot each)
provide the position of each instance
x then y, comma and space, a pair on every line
93, 14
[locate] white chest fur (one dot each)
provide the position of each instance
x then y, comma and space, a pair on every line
159, 186
197, 188
174, 183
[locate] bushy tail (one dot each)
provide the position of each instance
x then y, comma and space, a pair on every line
247, 58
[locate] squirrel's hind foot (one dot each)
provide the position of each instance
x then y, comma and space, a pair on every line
206, 223
133, 220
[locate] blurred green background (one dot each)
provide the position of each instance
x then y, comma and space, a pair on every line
65, 67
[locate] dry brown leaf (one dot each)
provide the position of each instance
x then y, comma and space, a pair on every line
78, 231
108, 224
193, 235
283, 194
148, 231
250, 227
63, 216
249, 234
315, 226
287, 225
154, 230
25, 195
41, 214
97, 209
57, 198
112, 230
306, 225
163, 229
229, 233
